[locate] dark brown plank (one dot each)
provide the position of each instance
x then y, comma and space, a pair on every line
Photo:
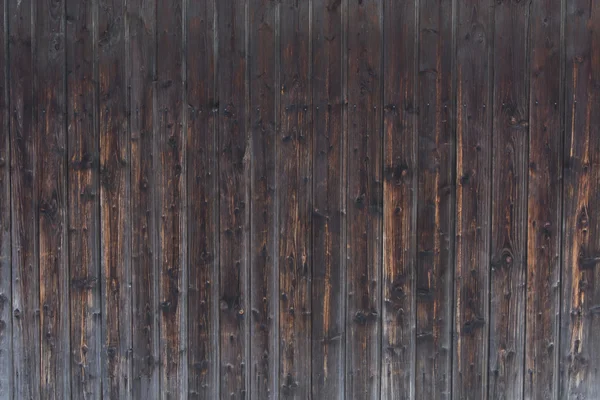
294, 191
144, 192
365, 199
114, 200
50, 178
509, 202
399, 200
234, 195
328, 252
473, 198
24, 232
172, 195
203, 214
6, 362
544, 202
580, 342
264, 88
83, 188
436, 201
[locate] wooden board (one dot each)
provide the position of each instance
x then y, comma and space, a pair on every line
544, 201
141, 70
24, 223
365, 199
329, 200
234, 199
294, 198
580, 280
509, 200
435, 200
264, 236
474, 40
202, 190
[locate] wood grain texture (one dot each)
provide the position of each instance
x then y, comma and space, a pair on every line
50, 179
141, 72
365, 199
474, 39
263, 199
203, 196
24, 223
398, 348
84, 202
294, 197
234, 196
114, 199
544, 202
329, 189
509, 202
264, 273
435, 201
581, 244
6, 351
171, 173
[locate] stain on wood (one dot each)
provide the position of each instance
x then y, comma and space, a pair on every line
319, 199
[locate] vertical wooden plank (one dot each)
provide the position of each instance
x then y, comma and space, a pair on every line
234, 187
50, 178
84, 227
509, 202
436, 201
6, 362
144, 202
328, 252
365, 198
171, 187
294, 190
580, 343
114, 200
203, 212
264, 87
474, 36
25, 271
399, 204
234, 195
544, 201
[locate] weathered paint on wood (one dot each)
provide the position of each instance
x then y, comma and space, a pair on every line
318, 199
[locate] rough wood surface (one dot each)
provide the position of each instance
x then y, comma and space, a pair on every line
316, 199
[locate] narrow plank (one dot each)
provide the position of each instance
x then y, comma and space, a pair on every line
580, 344
203, 214
436, 201
365, 199
294, 191
24, 231
328, 252
6, 362
264, 88
474, 39
83, 189
172, 194
544, 201
141, 72
399, 205
509, 203
114, 200
234, 195
50, 178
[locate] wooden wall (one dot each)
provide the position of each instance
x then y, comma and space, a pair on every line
326, 199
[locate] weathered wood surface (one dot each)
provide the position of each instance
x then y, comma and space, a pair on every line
320, 199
